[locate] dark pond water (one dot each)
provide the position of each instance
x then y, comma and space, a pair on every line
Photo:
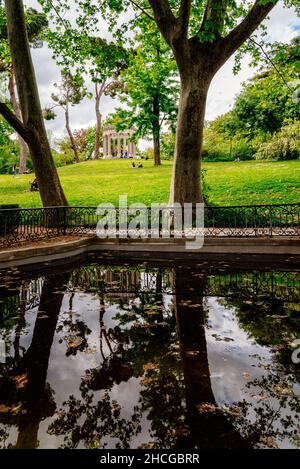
190, 356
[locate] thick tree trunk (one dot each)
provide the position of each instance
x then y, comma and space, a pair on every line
34, 127
98, 126
17, 111
156, 130
72, 140
185, 185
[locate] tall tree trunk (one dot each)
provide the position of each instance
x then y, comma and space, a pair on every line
156, 129
98, 122
185, 184
72, 140
34, 131
17, 111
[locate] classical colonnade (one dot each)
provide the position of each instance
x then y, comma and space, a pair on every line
117, 144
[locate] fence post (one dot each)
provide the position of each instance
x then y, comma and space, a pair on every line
271, 222
65, 221
255, 221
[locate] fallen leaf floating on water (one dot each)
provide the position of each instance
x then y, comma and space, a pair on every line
235, 412
90, 351
10, 410
150, 367
206, 408
147, 446
146, 381
74, 342
260, 397
269, 442
116, 406
283, 390
247, 375
21, 381
181, 431
16, 409
4, 409
192, 353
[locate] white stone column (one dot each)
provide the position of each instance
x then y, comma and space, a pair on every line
133, 149
124, 144
109, 146
119, 145
104, 145
114, 145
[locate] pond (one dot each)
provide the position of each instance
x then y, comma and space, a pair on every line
181, 355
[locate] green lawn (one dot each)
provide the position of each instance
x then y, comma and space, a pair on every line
93, 182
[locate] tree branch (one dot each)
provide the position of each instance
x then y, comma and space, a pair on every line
244, 30
61, 19
184, 16
257, 44
214, 13
143, 10
164, 18
16, 124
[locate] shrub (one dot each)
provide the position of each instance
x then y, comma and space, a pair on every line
167, 146
285, 145
243, 150
64, 158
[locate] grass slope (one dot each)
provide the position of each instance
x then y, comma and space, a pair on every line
93, 182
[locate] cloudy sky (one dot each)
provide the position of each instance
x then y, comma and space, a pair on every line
283, 25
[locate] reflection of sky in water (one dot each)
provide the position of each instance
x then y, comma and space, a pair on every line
234, 360
230, 353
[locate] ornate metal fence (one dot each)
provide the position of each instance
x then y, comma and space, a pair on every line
20, 225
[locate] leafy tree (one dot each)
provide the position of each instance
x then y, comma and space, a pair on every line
85, 143
151, 88
107, 62
284, 145
203, 35
32, 129
268, 100
83, 48
168, 145
8, 148
71, 91
264, 107
224, 140
36, 22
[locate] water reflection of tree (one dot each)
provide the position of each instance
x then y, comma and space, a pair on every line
24, 389
144, 345
141, 335
274, 413
161, 344
73, 332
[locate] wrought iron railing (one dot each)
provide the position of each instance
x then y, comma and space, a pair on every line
20, 225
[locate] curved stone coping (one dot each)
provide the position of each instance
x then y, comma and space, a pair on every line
58, 250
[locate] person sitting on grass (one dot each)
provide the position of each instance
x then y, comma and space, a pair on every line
133, 164
140, 165
34, 186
